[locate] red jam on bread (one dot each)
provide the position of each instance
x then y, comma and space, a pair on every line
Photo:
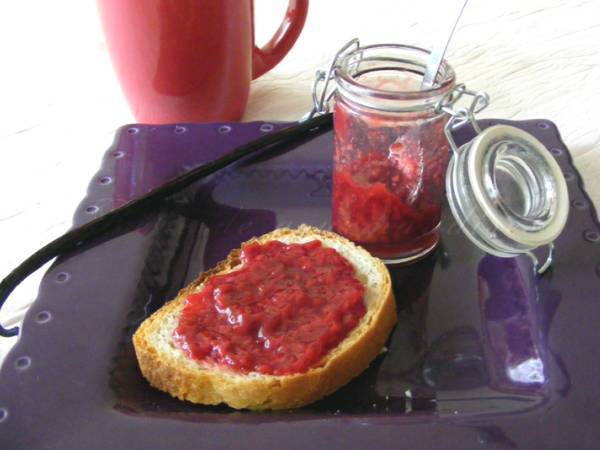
279, 314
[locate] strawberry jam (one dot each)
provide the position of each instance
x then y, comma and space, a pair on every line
280, 313
388, 179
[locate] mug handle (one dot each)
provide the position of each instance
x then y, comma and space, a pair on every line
267, 57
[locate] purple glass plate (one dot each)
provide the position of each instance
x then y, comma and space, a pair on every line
484, 355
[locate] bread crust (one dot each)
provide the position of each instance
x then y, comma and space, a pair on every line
190, 380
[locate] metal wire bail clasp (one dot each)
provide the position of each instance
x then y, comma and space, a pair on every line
322, 92
460, 116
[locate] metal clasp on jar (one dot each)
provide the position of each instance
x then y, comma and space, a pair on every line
321, 88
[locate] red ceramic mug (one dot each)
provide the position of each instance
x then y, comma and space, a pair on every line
191, 60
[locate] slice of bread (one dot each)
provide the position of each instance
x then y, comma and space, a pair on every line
167, 368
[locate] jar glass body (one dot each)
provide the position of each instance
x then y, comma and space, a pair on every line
390, 153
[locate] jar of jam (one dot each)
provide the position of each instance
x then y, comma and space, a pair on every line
391, 153
392, 161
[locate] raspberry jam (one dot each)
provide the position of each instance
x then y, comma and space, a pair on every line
388, 181
391, 153
281, 313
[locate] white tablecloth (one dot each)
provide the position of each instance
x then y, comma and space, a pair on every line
60, 102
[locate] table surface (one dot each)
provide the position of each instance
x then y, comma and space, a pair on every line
61, 102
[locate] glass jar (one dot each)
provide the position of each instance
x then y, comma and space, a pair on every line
391, 153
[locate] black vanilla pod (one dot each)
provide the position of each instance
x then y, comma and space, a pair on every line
86, 233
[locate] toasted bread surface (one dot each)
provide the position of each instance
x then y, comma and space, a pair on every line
167, 368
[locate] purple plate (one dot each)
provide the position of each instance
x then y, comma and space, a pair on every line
485, 355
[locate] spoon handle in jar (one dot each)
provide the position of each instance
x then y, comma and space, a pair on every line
438, 52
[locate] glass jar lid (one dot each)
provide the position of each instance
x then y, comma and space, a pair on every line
507, 192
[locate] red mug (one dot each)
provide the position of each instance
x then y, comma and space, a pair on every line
191, 60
